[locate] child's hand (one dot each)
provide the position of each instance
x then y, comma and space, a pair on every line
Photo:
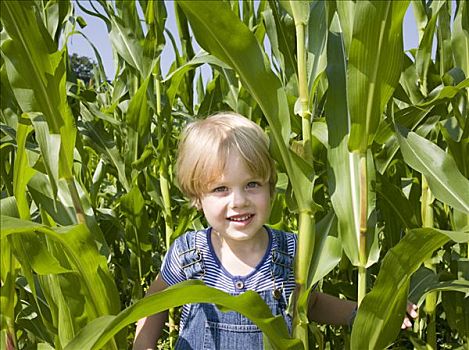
411, 314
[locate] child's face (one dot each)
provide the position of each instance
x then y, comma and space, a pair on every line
237, 204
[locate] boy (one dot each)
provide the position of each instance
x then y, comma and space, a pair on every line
225, 169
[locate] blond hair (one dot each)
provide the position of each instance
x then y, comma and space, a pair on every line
206, 144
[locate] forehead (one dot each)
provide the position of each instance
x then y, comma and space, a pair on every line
233, 168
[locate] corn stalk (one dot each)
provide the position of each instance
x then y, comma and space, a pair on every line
431, 298
372, 77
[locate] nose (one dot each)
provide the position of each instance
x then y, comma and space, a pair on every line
238, 198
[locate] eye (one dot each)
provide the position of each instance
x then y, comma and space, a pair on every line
220, 189
253, 184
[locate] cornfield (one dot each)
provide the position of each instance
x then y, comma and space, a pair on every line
371, 145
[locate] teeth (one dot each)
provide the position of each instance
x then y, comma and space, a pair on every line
240, 218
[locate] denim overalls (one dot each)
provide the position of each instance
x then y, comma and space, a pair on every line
206, 327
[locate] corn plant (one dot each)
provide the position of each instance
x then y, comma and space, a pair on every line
370, 142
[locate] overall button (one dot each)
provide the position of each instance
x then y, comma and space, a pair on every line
239, 284
277, 293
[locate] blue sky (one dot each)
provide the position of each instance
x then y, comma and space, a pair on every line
97, 33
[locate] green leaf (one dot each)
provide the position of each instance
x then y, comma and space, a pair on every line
346, 13
94, 134
281, 36
138, 115
298, 9
65, 316
22, 172
174, 79
344, 165
456, 305
421, 281
227, 38
382, 310
317, 42
41, 260
444, 179
61, 210
126, 45
374, 66
49, 145
460, 286
73, 275
98, 332
398, 202
327, 249
460, 37
424, 52
133, 205
36, 71
81, 249
442, 93
9, 207
411, 118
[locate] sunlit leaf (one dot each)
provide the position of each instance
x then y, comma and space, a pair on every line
445, 181
460, 37
84, 256
49, 145
381, 313
328, 249
374, 64
138, 115
97, 333
344, 165
36, 70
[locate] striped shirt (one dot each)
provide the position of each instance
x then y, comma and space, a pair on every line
259, 279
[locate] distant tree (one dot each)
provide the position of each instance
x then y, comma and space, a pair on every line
82, 67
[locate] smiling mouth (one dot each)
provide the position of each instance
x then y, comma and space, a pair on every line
240, 218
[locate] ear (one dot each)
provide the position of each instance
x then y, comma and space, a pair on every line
197, 204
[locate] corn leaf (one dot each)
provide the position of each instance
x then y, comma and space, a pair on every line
96, 136
250, 304
133, 205
460, 37
317, 42
126, 45
397, 202
346, 12
344, 165
138, 115
36, 71
60, 210
298, 9
444, 179
327, 249
49, 144
23, 171
456, 305
374, 66
281, 33
81, 249
174, 79
382, 310
227, 38
424, 52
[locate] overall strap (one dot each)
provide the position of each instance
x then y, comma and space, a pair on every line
190, 256
282, 261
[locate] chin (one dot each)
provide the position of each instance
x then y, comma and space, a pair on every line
242, 235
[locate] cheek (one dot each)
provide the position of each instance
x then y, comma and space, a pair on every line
210, 205
265, 200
